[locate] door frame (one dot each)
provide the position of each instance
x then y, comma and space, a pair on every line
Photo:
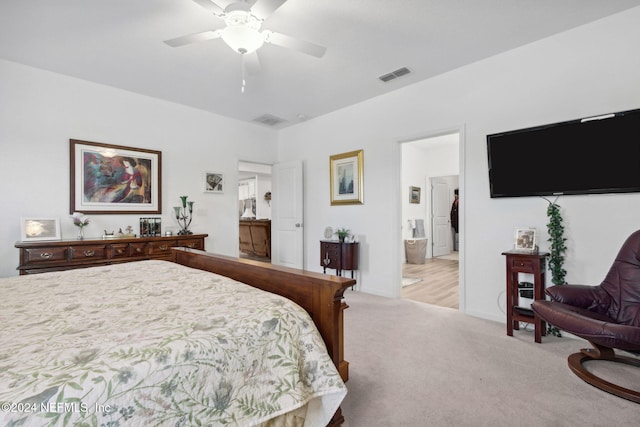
241, 175
461, 208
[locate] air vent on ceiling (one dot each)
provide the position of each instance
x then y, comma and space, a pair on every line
395, 74
269, 120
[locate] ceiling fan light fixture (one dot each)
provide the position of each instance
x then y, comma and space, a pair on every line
242, 32
242, 39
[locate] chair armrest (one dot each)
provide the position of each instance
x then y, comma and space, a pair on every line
588, 297
575, 295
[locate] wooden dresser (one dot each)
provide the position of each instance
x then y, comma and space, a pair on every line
255, 237
43, 256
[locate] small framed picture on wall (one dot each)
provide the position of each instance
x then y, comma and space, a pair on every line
414, 195
213, 182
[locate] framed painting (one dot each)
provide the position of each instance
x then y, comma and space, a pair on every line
414, 195
34, 229
525, 240
346, 173
113, 179
213, 182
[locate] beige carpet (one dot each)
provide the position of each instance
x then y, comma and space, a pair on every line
414, 364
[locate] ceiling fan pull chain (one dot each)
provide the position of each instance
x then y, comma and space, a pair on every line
244, 80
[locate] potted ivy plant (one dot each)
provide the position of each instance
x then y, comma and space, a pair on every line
557, 248
342, 234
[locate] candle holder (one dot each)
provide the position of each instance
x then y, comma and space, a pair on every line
184, 215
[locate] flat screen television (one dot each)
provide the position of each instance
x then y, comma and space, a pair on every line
594, 155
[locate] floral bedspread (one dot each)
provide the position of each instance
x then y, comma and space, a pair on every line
155, 343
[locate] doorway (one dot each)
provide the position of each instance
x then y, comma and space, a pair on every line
254, 211
432, 165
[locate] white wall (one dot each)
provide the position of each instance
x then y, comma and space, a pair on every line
590, 70
40, 111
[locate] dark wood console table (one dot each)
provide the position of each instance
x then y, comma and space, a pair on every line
58, 255
339, 256
519, 262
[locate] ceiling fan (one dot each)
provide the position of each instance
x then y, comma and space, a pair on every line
242, 30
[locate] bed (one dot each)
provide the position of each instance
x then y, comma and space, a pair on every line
169, 343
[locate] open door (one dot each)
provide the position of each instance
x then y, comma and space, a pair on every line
287, 238
441, 223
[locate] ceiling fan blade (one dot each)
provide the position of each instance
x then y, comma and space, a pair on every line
210, 6
251, 63
264, 8
193, 38
295, 44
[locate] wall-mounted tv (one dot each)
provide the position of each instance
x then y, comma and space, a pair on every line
593, 155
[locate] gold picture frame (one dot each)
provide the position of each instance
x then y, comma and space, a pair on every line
414, 195
346, 178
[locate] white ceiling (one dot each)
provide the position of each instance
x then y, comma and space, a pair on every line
120, 43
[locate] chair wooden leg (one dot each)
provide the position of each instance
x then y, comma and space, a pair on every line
576, 361
337, 420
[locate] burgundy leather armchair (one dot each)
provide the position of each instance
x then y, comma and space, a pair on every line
607, 315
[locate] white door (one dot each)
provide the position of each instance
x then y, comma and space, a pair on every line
441, 220
287, 241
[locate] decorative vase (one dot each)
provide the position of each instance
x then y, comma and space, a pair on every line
341, 238
80, 233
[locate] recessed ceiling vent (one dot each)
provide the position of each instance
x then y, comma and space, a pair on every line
269, 120
395, 74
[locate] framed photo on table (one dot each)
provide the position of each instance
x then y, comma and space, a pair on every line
526, 240
346, 175
35, 229
114, 179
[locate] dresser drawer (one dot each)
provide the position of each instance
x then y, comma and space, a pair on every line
191, 243
330, 255
159, 248
119, 250
45, 254
88, 251
522, 265
138, 249
332, 249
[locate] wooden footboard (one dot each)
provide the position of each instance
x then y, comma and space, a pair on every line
319, 294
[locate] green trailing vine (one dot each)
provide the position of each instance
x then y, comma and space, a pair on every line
557, 246
557, 249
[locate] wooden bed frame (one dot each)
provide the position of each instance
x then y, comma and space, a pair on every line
319, 294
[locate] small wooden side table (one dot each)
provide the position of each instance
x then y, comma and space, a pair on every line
531, 263
339, 256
